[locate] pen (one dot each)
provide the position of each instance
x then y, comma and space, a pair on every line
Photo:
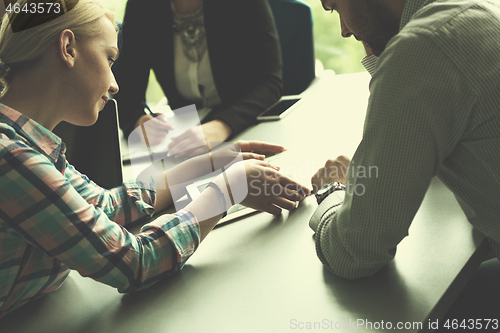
146, 107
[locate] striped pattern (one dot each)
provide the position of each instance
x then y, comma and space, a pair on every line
369, 63
434, 110
53, 219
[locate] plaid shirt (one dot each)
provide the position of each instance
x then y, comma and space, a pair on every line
434, 110
53, 219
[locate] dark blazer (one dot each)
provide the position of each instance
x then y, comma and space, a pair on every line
244, 54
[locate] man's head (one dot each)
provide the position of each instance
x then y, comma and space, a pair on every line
374, 22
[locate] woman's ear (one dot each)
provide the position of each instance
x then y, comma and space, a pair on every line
67, 47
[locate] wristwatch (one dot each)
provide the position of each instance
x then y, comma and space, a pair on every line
328, 189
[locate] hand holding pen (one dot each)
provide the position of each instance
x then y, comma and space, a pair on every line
154, 124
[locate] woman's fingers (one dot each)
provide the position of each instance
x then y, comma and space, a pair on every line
291, 185
154, 136
185, 147
177, 147
284, 203
260, 147
254, 156
160, 125
272, 209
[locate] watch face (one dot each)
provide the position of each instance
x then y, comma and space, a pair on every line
323, 192
325, 189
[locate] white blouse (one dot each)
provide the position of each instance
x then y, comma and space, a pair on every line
193, 73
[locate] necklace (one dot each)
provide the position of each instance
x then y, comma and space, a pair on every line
191, 29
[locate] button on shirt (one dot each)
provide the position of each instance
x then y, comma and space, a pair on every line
434, 110
53, 219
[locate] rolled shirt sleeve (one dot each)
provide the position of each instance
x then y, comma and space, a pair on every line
48, 225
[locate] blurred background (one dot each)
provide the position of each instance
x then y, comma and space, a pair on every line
342, 55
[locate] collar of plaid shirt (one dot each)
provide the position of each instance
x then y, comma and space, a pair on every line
49, 144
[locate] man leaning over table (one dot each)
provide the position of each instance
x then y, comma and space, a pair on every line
434, 110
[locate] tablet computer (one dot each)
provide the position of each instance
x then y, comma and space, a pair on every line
236, 211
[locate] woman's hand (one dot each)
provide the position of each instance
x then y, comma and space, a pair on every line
259, 147
259, 185
198, 140
252, 183
229, 153
156, 128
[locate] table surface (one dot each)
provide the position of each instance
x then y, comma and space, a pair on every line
261, 273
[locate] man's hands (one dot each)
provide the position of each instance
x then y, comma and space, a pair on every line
333, 171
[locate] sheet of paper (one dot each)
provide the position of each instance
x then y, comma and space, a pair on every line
182, 119
141, 155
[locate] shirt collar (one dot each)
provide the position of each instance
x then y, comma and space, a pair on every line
40, 137
410, 8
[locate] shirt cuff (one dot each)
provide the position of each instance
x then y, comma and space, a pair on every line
327, 208
183, 233
370, 62
142, 196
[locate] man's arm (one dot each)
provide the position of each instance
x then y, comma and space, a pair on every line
416, 114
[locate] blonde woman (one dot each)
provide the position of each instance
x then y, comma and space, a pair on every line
57, 67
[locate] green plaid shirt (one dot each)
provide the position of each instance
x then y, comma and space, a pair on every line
53, 219
434, 110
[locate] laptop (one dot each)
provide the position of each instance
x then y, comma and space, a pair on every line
95, 150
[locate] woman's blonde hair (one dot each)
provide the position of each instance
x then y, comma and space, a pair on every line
24, 37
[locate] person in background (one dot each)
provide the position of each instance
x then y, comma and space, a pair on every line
222, 55
52, 218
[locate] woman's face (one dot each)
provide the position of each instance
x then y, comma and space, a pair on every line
93, 75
